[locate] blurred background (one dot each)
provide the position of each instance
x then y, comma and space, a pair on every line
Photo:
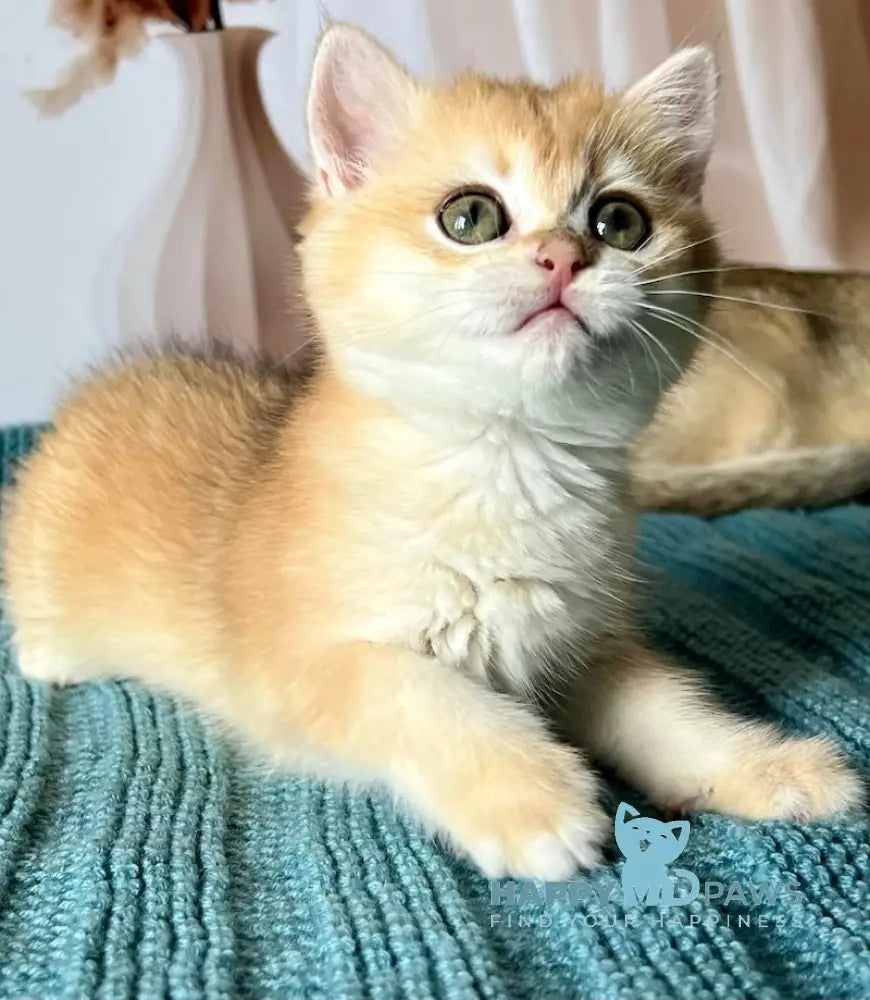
788, 183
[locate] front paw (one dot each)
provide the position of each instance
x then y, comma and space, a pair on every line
790, 779
531, 813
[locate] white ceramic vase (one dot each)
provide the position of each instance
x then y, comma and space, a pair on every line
213, 256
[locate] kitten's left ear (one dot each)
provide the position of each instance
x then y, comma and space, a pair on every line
681, 94
357, 100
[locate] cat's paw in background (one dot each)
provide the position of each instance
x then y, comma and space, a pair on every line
789, 779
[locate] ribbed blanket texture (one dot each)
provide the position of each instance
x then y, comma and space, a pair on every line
142, 856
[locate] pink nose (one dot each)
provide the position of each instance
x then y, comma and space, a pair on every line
563, 257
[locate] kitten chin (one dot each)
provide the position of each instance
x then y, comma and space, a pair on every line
400, 584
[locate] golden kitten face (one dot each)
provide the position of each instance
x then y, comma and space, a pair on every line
492, 240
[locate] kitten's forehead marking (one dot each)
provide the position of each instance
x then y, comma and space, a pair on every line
540, 195
518, 180
542, 192
621, 175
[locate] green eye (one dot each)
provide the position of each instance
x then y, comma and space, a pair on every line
619, 223
473, 217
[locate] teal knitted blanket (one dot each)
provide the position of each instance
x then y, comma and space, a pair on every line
140, 856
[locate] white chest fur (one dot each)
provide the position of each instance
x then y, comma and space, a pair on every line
510, 558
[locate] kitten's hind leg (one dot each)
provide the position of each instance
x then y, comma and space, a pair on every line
655, 724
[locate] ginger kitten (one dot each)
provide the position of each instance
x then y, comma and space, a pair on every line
394, 571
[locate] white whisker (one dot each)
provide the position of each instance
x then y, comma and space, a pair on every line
679, 250
751, 302
700, 270
644, 340
287, 358
686, 323
648, 333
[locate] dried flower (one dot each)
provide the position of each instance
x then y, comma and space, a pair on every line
112, 30
195, 13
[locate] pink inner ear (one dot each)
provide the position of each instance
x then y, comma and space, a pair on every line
349, 136
359, 97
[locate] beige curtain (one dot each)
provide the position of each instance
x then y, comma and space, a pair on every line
790, 180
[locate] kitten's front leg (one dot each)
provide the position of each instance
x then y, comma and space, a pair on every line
480, 766
655, 724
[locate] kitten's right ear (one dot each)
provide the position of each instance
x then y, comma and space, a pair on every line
682, 95
358, 98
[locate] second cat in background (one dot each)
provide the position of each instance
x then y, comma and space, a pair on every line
774, 409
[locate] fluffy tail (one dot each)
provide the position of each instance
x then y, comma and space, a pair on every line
801, 477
